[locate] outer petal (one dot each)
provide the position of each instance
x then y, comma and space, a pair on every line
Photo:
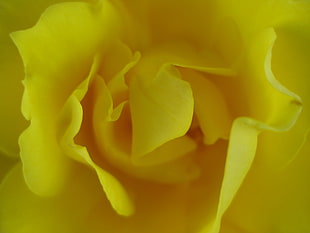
22, 211
275, 195
80, 29
285, 107
181, 208
71, 120
290, 63
273, 201
14, 15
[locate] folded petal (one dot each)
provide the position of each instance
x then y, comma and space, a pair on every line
71, 117
283, 110
291, 54
161, 110
183, 207
113, 136
81, 31
210, 107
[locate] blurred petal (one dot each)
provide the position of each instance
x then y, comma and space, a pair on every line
22, 211
5, 165
275, 195
19, 14
274, 201
179, 21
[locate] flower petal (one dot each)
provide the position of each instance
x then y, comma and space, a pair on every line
68, 126
285, 106
116, 194
291, 54
80, 29
274, 200
23, 211
161, 110
113, 138
210, 107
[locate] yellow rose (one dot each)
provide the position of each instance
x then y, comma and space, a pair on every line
155, 116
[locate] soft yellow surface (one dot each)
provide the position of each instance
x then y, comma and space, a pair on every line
161, 109
50, 77
155, 116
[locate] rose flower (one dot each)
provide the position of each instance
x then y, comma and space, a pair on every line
156, 116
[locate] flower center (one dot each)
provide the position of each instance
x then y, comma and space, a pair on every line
151, 117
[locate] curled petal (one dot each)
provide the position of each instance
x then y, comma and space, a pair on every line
244, 132
48, 71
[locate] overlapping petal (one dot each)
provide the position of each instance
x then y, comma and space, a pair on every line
113, 137
243, 137
91, 28
70, 121
13, 16
138, 142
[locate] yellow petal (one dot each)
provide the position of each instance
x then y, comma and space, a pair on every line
69, 125
169, 151
291, 54
274, 200
286, 108
116, 194
161, 110
210, 107
190, 205
23, 211
81, 31
113, 137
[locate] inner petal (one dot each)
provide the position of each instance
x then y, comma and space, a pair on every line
210, 107
161, 110
113, 138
